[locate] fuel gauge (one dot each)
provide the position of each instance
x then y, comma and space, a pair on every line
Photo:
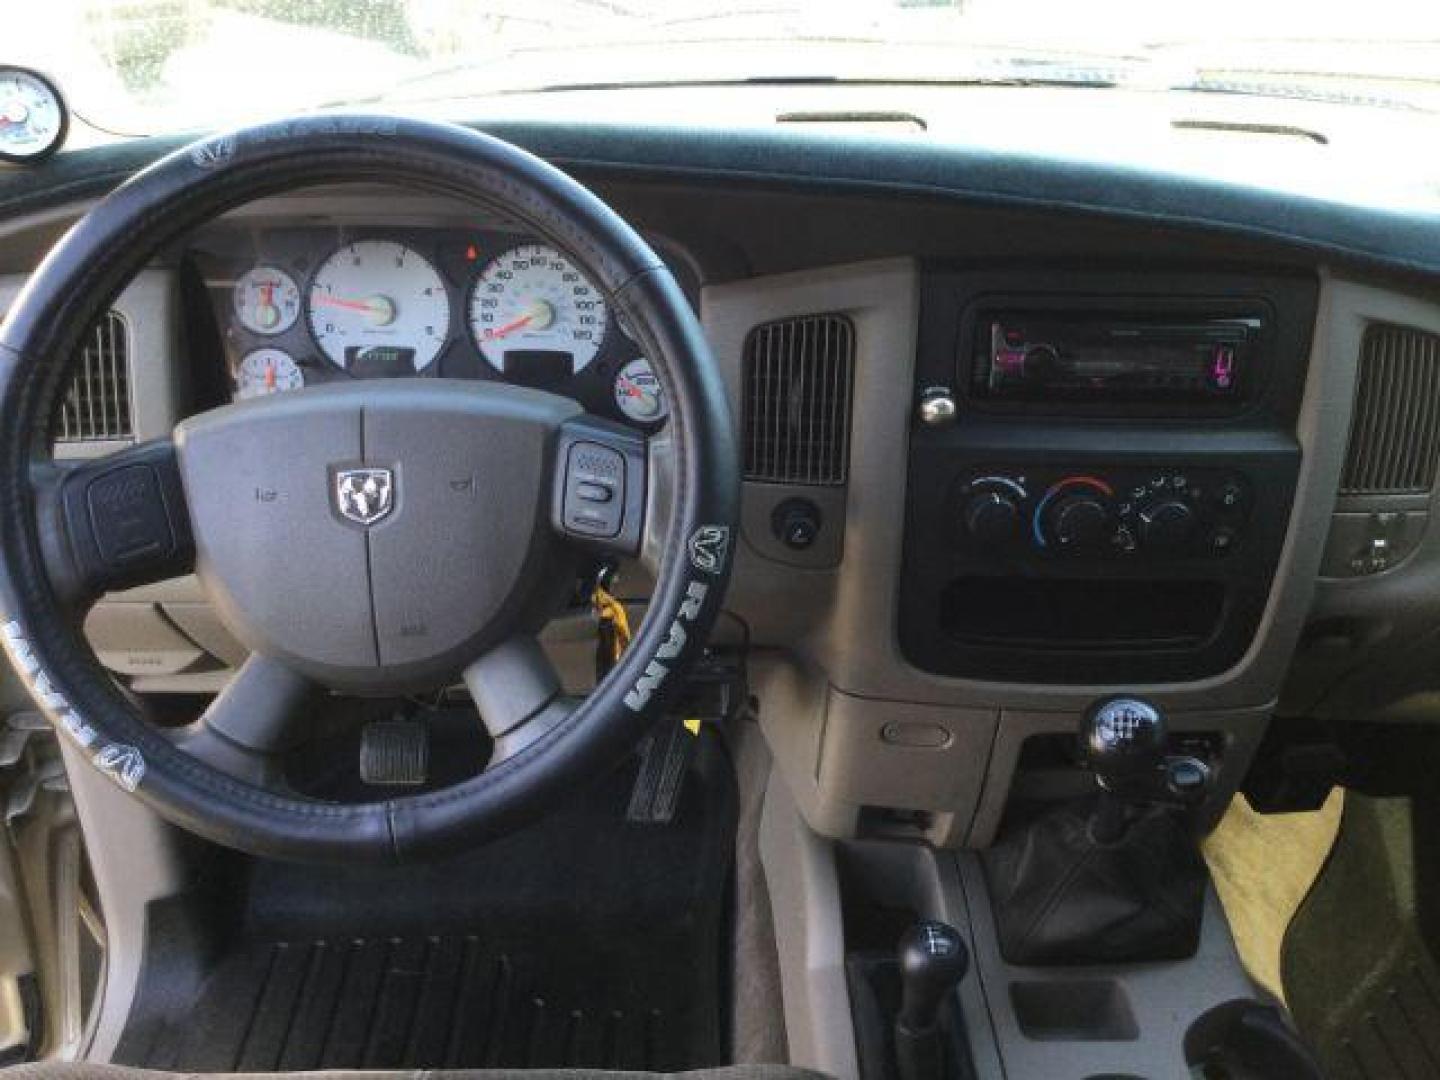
33, 119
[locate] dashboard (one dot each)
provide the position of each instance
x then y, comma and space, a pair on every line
940, 598
299, 306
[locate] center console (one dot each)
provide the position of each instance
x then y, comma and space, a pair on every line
1101, 482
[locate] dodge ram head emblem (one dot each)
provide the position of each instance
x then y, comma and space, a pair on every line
364, 496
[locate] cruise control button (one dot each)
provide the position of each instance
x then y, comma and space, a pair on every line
594, 489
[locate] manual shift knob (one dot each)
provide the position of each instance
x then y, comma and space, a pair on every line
933, 960
1123, 740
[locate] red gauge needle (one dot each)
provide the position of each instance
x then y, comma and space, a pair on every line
629, 389
510, 327
270, 376
349, 305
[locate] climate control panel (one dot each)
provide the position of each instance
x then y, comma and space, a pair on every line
1125, 513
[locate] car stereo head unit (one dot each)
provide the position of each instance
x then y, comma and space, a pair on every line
1109, 359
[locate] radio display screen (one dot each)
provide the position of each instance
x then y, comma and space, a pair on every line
1094, 357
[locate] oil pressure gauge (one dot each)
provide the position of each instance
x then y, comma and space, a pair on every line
33, 119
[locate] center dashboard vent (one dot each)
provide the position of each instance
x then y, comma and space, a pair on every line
96, 406
798, 379
1395, 431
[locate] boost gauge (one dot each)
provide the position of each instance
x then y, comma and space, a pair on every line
33, 119
379, 308
267, 301
531, 308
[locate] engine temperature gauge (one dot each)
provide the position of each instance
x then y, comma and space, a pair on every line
264, 372
638, 392
267, 300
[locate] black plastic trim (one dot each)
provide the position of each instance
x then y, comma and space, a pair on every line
1360, 235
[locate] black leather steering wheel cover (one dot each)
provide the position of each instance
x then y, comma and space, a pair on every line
83, 273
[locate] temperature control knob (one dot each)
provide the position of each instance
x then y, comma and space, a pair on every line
1079, 520
1167, 524
992, 517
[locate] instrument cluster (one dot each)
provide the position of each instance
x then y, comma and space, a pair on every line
300, 306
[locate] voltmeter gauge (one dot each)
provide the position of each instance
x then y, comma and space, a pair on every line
638, 392
267, 300
33, 118
264, 372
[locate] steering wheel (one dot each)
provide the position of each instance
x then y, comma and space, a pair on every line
429, 527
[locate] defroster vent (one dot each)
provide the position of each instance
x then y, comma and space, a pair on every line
798, 379
96, 407
1395, 432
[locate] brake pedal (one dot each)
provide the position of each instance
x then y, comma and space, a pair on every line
394, 753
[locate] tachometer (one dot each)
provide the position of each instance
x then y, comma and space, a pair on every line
531, 307
378, 304
267, 300
264, 372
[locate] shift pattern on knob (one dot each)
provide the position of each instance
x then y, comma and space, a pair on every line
933, 959
1123, 738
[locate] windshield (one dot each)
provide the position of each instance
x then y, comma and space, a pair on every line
146, 66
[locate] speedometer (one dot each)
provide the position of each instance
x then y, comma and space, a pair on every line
532, 309
377, 307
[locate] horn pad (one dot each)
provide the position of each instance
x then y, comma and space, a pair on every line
374, 535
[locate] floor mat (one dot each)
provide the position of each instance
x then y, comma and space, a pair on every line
584, 941
1362, 983
1263, 865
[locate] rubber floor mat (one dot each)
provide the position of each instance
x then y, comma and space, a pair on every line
584, 941
437, 1002
1359, 967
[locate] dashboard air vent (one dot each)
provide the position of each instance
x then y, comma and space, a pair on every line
798, 376
1395, 432
96, 408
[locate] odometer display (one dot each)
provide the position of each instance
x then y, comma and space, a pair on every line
533, 300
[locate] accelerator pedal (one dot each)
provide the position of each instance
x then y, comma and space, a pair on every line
665, 757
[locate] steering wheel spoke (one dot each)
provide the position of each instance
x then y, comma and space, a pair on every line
251, 722
517, 691
115, 522
600, 486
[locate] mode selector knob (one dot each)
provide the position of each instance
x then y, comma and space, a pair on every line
1168, 524
1079, 520
992, 517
